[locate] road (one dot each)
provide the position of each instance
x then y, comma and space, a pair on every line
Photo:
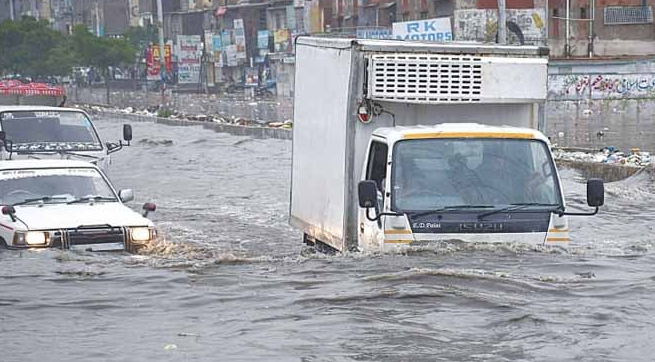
232, 282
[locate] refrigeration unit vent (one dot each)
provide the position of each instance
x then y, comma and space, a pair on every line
425, 78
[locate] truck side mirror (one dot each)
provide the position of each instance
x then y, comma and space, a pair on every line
3, 136
126, 195
127, 132
368, 193
595, 192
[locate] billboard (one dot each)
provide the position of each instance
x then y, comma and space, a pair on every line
188, 58
240, 38
153, 62
374, 33
282, 41
437, 30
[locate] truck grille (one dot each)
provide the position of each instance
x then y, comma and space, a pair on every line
93, 235
425, 78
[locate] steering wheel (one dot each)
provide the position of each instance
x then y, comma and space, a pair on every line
17, 192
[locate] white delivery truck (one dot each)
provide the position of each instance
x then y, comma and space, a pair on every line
399, 144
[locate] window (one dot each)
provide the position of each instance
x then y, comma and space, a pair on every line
424, 15
436, 173
377, 169
280, 20
583, 13
555, 12
377, 164
405, 16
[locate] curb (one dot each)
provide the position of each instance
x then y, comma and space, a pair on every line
255, 132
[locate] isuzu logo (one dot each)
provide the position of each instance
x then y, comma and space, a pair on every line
426, 225
481, 226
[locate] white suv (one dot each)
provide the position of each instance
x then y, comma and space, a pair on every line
70, 205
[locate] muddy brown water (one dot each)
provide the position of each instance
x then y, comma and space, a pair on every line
232, 281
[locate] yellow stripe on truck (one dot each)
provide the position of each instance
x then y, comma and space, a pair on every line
397, 241
398, 232
422, 135
558, 230
556, 239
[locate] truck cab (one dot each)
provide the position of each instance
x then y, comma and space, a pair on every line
39, 132
468, 182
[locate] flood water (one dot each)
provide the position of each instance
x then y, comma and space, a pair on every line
232, 281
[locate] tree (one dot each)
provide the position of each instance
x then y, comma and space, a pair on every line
102, 53
140, 36
32, 49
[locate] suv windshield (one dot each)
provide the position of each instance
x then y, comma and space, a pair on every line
44, 131
430, 174
53, 185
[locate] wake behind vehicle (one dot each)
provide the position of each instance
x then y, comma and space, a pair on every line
41, 132
404, 144
70, 205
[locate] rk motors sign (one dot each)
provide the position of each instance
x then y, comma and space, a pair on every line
437, 30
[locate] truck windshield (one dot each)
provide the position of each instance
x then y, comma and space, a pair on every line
43, 131
53, 185
429, 174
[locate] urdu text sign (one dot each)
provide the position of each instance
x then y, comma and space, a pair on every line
438, 30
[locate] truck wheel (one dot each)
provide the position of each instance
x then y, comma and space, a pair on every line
324, 248
308, 240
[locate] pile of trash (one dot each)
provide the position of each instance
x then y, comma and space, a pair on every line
157, 111
635, 158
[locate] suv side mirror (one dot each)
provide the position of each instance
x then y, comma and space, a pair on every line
368, 194
9, 211
127, 132
3, 136
126, 195
595, 192
148, 207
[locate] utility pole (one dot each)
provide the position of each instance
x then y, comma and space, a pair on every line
11, 10
97, 19
502, 23
162, 47
567, 44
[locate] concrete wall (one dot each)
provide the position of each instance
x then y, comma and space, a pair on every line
224, 106
635, 39
255, 132
606, 104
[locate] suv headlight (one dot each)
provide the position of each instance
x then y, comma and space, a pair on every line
31, 238
141, 234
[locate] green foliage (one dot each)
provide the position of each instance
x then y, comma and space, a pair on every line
101, 52
164, 113
140, 37
32, 48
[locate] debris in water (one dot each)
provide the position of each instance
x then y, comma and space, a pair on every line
170, 346
182, 334
586, 275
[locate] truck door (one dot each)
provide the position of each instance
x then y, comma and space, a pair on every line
370, 232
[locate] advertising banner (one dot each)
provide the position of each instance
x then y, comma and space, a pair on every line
240, 38
437, 30
153, 61
282, 41
374, 33
189, 54
262, 39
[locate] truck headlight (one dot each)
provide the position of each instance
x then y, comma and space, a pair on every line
141, 234
31, 238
